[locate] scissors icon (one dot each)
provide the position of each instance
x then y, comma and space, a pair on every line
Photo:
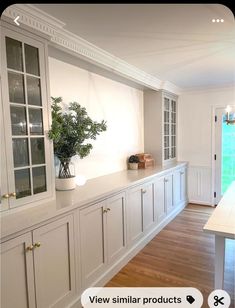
218, 301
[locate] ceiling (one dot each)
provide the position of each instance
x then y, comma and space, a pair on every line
174, 42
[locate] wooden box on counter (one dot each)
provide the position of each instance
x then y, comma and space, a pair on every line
145, 160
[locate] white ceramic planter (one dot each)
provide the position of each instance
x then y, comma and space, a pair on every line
65, 184
133, 166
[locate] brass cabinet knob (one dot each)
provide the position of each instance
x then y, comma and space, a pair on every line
5, 196
13, 194
144, 191
166, 180
30, 248
108, 209
105, 211
38, 244
181, 172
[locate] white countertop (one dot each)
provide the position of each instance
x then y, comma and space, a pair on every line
222, 220
24, 217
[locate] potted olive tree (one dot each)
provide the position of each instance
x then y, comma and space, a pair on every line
69, 131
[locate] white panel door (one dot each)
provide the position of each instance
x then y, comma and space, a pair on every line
159, 199
169, 192
54, 263
135, 214
17, 277
148, 206
116, 227
93, 242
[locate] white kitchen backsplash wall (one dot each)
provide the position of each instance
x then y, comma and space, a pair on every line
195, 137
118, 104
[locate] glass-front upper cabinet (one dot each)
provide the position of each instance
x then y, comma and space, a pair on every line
169, 148
27, 152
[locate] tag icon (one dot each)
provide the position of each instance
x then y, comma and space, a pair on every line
190, 299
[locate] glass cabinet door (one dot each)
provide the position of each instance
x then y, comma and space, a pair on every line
166, 128
169, 142
25, 108
4, 182
173, 129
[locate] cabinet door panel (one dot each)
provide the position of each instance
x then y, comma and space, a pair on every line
148, 206
116, 228
159, 199
4, 205
54, 263
25, 113
93, 246
17, 277
169, 192
176, 187
183, 184
135, 214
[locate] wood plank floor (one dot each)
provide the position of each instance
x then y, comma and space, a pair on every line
181, 255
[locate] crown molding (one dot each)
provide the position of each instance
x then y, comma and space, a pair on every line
213, 88
59, 37
170, 87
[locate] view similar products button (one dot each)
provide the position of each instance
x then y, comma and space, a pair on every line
141, 297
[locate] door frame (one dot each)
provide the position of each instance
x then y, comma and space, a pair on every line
213, 150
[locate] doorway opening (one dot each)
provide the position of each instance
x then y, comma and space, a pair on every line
228, 155
224, 153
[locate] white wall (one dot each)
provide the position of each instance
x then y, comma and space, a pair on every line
195, 137
118, 104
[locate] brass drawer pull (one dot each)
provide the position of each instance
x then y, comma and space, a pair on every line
38, 244
108, 209
181, 172
13, 194
105, 211
166, 180
30, 248
144, 191
5, 196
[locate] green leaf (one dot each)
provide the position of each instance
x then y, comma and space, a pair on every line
70, 131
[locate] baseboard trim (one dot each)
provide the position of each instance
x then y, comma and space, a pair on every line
201, 202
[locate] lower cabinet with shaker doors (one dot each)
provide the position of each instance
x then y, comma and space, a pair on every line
159, 196
140, 211
102, 237
169, 192
51, 264
38, 268
168, 180
179, 186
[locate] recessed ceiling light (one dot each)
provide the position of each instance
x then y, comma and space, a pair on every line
221, 20
217, 20
213, 20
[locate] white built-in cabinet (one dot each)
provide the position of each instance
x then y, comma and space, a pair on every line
159, 195
51, 264
160, 125
164, 196
25, 149
168, 180
17, 273
38, 267
179, 186
140, 210
102, 236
